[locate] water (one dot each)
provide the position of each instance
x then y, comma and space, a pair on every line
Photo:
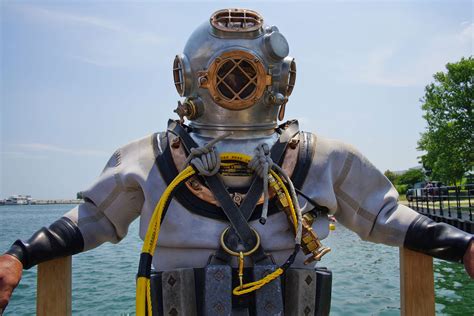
366, 276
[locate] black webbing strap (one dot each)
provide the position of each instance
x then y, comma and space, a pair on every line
239, 223
233, 213
276, 153
238, 217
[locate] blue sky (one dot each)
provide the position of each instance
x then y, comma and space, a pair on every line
79, 79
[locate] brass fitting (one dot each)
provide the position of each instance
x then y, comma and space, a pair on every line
310, 243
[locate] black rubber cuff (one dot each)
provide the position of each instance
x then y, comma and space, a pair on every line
62, 238
439, 240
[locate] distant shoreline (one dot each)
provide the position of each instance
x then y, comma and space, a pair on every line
49, 202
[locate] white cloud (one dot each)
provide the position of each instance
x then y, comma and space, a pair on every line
467, 34
100, 62
418, 70
89, 21
103, 42
39, 147
21, 155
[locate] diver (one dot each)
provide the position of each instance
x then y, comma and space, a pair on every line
234, 204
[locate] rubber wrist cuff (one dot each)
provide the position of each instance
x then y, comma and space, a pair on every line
439, 240
62, 238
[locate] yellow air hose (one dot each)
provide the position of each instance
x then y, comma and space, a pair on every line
143, 292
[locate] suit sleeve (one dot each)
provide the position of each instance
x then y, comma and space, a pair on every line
110, 205
367, 203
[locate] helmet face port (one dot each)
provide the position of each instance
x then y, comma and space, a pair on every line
236, 80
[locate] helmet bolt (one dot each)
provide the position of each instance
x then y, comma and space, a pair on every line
256, 60
202, 81
272, 99
218, 60
217, 98
176, 142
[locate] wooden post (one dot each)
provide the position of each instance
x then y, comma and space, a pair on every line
53, 296
416, 283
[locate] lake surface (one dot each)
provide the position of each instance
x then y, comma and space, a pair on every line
366, 275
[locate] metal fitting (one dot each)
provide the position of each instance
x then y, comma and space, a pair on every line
293, 143
176, 142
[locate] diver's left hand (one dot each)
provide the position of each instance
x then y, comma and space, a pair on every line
468, 259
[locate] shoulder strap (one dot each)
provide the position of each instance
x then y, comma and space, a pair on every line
307, 149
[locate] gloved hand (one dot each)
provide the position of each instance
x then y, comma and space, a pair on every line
468, 260
11, 270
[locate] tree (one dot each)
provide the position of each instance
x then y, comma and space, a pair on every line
411, 177
390, 175
405, 180
449, 137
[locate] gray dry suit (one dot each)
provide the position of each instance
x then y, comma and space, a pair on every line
340, 178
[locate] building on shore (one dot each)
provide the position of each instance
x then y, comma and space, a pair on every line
17, 200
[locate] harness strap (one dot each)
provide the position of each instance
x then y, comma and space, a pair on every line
238, 217
276, 153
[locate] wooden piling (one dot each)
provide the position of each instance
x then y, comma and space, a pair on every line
417, 295
53, 297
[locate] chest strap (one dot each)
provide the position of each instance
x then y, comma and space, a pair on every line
238, 217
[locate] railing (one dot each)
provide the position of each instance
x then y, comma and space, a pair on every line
54, 288
416, 286
450, 204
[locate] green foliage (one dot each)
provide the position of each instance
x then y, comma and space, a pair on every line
411, 177
402, 188
448, 140
79, 195
406, 180
391, 176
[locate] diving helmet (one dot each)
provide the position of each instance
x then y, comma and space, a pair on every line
235, 74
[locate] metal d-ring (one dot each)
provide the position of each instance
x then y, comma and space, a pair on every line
237, 254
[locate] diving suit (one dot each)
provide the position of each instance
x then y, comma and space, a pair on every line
236, 77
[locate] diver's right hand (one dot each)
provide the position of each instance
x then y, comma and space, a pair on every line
10, 275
